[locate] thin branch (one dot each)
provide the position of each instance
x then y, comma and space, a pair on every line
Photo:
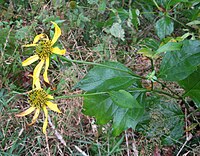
57, 134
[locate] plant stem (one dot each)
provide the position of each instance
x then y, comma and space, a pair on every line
79, 95
168, 94
129, 72
152, 69
101, 65
100, 93
180, 97
185, 26
155, 91
156, 4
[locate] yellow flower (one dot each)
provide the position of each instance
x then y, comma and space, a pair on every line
39, 99
44, 48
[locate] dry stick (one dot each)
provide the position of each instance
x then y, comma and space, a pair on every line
46, 137
82, 152
122, 3
129, 3
186, 153
134, 146
188, 136
5, 44
58, 135
187, 139
128, 154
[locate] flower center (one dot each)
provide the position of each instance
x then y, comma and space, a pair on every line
43, 49
38, 98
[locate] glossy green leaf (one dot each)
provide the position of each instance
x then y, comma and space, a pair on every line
106, 79
133, 15
164, 27
170, 46
192, 86
151, 43
99, 106
146, 52
125, 118
177, 65
104, 109
124, 99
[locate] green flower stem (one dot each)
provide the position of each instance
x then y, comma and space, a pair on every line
152, 69
165, 93
129, 72
179, 97
185, 26
155, 91
156, 4
79, 95
130, 90
101, 65
174, 93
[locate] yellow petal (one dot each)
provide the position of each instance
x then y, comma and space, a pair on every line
56, 50
56, 34
37, 70
45, 70
26, 112
30, 60
45, 120
36, 83
30, 45
53, 106
50, 97
38, 37
37, 112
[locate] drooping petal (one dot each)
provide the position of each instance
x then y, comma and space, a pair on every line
30, 45
37, 112
56, 34
45, 120
45, 70
37, 70
53, 107
36, 83
38, 37
30, 60
26, 112
50, 97
56, 50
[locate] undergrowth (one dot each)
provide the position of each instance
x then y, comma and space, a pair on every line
138, 37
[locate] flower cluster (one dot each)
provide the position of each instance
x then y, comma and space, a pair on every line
37, 97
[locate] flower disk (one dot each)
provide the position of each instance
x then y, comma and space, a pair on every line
44, 49
38, 98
